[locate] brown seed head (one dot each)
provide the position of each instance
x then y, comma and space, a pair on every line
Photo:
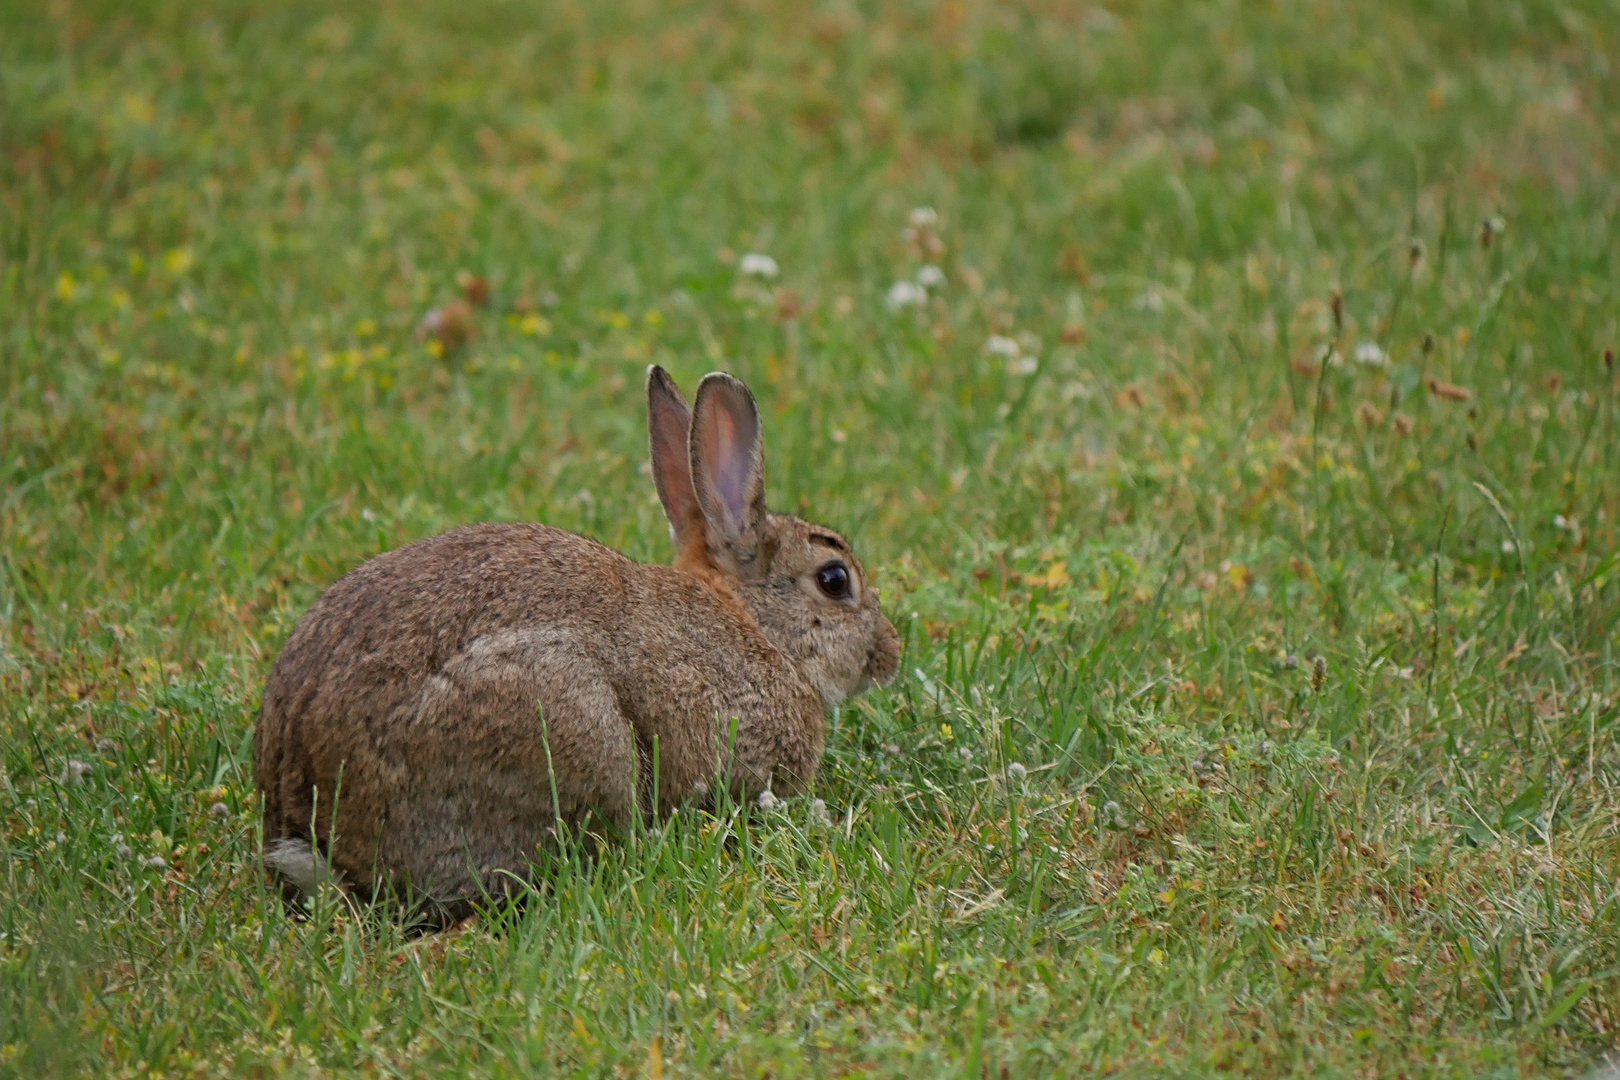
1336, 302
474, 288
452, 325
1071, 262
1319, 673
789, 305
1448, 391
1608, 358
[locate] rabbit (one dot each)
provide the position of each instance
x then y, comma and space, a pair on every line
429, 697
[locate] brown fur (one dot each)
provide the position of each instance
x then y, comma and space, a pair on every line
419, 695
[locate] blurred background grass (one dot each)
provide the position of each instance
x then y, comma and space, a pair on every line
1246, 474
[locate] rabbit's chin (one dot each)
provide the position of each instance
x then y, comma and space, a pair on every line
831, 693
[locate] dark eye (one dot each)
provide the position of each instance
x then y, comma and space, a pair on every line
834, 579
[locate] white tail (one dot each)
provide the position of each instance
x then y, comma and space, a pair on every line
298, 863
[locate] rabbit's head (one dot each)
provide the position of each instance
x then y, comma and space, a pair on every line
800, 582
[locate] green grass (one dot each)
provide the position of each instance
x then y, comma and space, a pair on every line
1309, 668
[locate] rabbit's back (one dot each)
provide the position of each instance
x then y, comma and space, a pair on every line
398, 617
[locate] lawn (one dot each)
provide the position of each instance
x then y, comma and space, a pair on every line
1218, 392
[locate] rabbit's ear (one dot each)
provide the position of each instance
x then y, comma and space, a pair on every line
668, 421
728, 468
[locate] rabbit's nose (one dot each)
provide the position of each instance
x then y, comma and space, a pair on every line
885, 658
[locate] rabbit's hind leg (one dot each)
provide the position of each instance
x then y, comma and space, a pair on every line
516, 729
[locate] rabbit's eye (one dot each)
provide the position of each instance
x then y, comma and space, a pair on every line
834, 580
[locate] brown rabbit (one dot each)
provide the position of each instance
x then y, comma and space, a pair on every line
420, 694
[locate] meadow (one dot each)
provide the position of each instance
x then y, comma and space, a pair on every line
1222, 394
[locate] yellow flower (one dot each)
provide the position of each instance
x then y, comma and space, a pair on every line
177, 260
1053, 577
66, 287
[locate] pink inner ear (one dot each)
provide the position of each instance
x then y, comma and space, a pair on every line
725, 457
730, 466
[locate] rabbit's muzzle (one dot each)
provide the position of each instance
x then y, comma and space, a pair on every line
885, 658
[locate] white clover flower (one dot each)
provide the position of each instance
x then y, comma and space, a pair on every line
157, 862
72, 772
904, 294
1559, 522
219, 810
923, 217
1369, 353
818, 812
1016, 772
1508, 548
998, 345
1024, 365
766, 800
756, 265
930, 277
1112, 816
1149, 301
